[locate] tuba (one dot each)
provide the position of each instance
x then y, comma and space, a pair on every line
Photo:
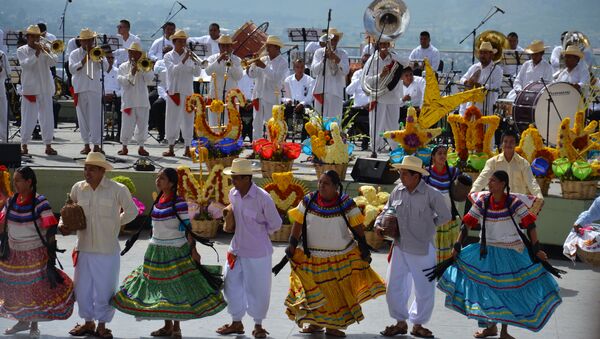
572, 38
498, 41
387, 19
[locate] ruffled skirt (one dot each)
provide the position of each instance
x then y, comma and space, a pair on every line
445, 238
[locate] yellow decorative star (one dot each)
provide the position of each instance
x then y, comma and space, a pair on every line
574, 143
413, 136
473, 132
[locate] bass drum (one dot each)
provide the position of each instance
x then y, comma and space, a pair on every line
531, 106
249, 39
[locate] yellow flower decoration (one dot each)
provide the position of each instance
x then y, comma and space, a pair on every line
371, 202
468, 131
531, 146
276, 126
217, 106
286, 191
233, 130
413, 136
574, 143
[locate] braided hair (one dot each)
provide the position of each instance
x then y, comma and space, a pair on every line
503, 177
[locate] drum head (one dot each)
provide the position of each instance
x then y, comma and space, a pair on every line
566, 98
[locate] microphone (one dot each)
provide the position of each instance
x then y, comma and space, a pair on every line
182, 6
293, 48
497, 9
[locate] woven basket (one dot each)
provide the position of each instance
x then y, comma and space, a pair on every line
205, 228
270, 167
373, 240
544, 184
581, 190
339, 168
592, 258
283, 234
226, 162
473, 175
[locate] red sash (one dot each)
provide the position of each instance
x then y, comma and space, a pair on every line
127, 110
176, 98
74, 95
372, 106
256, 104
319, 97
30, 98
231, 258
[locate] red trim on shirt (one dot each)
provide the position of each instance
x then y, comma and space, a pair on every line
470, 220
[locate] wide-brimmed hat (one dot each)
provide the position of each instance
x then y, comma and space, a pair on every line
486, 46
334, 31
410, 162
136, 47
274, 40
537, 46
240, 166
179, 34
97, 159
33, 30
225, 39
324, 37
86, 33
573, 50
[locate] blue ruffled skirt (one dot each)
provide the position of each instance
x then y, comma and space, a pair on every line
504, 287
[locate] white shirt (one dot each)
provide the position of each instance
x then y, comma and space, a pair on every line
299, 90
269, 80
494, 81
368, 49
81, 82
579, 75
135, 88
71, 46
335, 79
431, 53
416, 90
246, 85
355, 90
50, 36
588, 57
2, 45
530, 73
514, 69
111, 84
234, 74
391, 97
6, 69
156, 50
36, 77
121, 54
206, 39
161, 70
180, 77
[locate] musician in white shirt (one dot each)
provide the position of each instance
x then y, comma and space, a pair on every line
268, 74
515, 49
3, 47
214, 33
297, 95
156, 50
112, 88
329, 89
533, 70
159, 106
576, 71
246, 85
87, 86
125, 40
313, 46
135, 105
37, 89
44, 30
360, 103
5, 71
181, 70
484, 73
555, 58
426, 50
228, 71
413, 90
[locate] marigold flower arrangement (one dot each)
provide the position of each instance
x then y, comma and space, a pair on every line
575, 143
286, 191
413, 136
328, 142
531, 147
275, 148
371, 202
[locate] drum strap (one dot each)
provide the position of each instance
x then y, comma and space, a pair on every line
396, 78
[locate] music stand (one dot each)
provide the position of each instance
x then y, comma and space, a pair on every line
11, 39
303, 35
200, 49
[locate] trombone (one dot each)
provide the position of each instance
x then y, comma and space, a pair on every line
52, 47
144, 64
94, 55
196, 59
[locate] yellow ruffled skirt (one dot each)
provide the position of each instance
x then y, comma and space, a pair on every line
327, 292
445, 238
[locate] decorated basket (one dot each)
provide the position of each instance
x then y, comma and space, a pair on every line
373, 240
226, 162
592, 258
544, 183
473, 175
205, 228
269, 167
580, 190
339, 168
283, 234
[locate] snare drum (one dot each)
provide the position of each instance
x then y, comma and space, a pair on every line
531, 106
248, 40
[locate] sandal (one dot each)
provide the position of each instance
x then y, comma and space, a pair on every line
162, 332
51, 151
421, 332
123, 151
143, 152
311, 329
21, 326
335, 333
85, 151
486, 332
83, 330
395, 329
168, 153
105, 333
259, 332
176, 334
231, 329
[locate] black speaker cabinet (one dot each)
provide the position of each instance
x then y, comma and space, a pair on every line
10, 155
374, 171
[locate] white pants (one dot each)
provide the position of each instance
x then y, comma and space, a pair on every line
178, 119
136, 121
333, 106
248, 288
3, 116
31, 112
405, 270
387, 120
89, 116
261, 117
96, 281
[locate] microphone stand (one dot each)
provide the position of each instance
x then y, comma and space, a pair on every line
550, 100
169, 17
62, 26
376, 53
474, 33
325, 64
304, 44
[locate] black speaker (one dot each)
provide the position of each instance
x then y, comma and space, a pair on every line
10, 155
374, 171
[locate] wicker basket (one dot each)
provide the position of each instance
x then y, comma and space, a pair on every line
592, 258
270, 167
283, 234
226, 162
373, 240
544, 184
339, 168
205, 228
473, 175
581, 190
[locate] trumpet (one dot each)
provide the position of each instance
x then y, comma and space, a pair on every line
94, 55
197, 60
246, 63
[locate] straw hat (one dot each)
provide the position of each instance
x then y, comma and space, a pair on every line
537, 46
97, 159
486, 46
274, 40
179, 34
239, 166
323, 38
573, 50
225, 40
334, 31
33, 30
412, 163
136, 47
86, 33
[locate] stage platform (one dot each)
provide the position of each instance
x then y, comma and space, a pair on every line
56, 175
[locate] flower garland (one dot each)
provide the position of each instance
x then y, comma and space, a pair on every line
5, 187
233, 129
413, 136
470, 133
286, 191
216, 186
